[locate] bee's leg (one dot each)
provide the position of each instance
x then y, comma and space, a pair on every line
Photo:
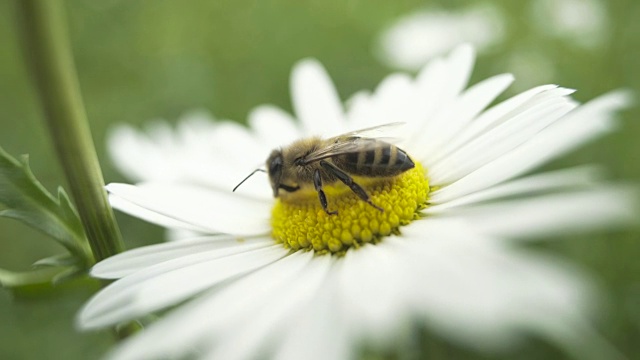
348, 180
317, 183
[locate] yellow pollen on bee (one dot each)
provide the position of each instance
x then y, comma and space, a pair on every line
300, 223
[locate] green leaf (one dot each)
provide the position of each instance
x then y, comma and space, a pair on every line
61, 260
27, 201
13, 279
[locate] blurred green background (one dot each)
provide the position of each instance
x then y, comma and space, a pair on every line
140, 60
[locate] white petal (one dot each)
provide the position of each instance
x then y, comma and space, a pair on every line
177, 234
441, 82
359, 108
136, 155
509, 288
316, 100
433, 77
602, 207
199, 151
459, 65
468, 105
227, 156
134, 260
273, 126
494, 116
207, 210
567, 179
547, 108
221, 310
372, 282
229, 135
322, 331
394, 100
151, 216
257, 328
585, 123
172, 281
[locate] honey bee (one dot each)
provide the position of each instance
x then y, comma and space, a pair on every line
315, 162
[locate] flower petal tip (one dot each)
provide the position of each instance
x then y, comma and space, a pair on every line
621, 98
307, 66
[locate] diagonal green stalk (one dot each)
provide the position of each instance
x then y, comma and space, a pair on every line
48, 53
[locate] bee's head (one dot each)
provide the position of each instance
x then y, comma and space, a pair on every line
274, 169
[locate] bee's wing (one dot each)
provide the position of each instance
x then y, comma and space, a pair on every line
353, 141
339, 146
372, 132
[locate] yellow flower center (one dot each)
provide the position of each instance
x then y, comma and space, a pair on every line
299, 222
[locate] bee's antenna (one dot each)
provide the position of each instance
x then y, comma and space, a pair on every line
245, 179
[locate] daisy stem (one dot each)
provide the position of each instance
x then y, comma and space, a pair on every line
42, 24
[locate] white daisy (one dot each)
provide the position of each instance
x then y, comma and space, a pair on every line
583, 23
424, 34
443, 255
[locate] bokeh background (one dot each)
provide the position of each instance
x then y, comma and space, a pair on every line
143, 60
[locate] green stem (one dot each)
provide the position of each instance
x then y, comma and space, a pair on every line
48, 53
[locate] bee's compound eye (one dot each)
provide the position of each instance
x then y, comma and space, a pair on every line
275, 165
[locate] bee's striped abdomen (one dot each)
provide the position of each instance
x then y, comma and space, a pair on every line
378, 158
